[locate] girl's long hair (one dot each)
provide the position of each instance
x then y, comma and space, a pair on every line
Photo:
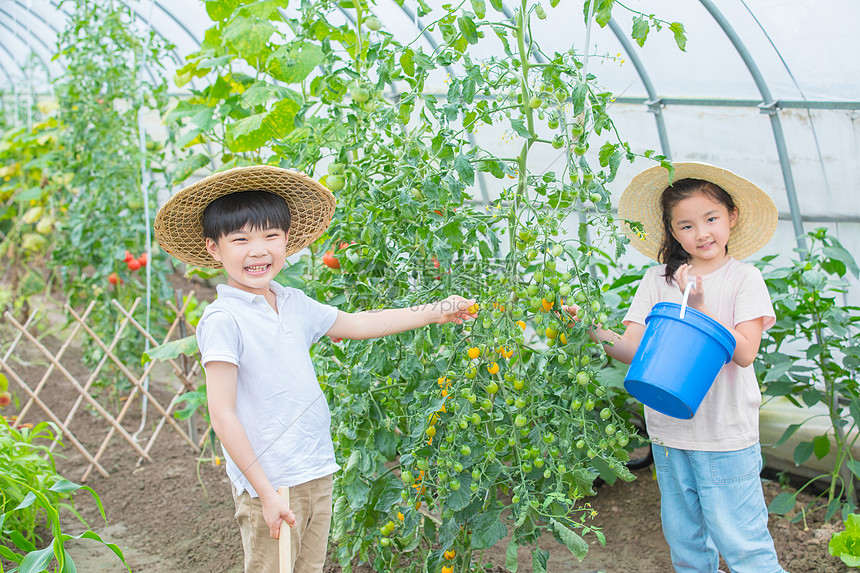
672, 254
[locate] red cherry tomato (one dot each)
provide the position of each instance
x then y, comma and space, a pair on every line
330, 260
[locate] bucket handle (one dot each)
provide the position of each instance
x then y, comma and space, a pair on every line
686, 296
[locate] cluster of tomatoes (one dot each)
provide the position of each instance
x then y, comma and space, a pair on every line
133, 263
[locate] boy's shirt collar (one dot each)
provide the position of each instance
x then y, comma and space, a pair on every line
224, 290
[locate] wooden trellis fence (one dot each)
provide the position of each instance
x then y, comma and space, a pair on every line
38, 387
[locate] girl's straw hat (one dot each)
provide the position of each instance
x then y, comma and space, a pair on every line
640, 202
179, 223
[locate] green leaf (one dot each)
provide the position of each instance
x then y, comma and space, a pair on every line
188, 166
248, 37
281, 120
846, 544
854, 466
821, 446
572, 540
520, 128
640, 30
789, 431
497, 5
407, 62
540, 558
294, 62
487, 529
468, 29
172, 349
480, 8
783, 503
4, 383
680, 36
37, 561
221, 9
248, 134
843, 256
65, 486
511, 563
802, 452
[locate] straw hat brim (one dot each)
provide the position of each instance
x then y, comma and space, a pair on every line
640, 202
179, 222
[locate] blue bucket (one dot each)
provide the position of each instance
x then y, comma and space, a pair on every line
678, 359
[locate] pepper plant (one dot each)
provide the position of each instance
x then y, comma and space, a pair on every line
811, 357
449, 437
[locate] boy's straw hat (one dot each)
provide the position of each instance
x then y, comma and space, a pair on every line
640, 202
179, 222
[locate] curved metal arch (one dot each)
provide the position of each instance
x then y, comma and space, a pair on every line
769, 106
177, 57
654, 103
26, 43
3, 68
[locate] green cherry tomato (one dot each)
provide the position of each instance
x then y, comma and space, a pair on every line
589, 405
557, 142
609, 429
373, 23
605, 413
535, 102
520, 421
465, 450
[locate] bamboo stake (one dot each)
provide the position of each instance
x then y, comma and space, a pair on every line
95, 404
131, 377
91, 380
285, 550
50, 370
54, 418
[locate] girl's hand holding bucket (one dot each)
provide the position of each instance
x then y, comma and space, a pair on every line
697, 294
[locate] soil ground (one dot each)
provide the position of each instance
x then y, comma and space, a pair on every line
175, 515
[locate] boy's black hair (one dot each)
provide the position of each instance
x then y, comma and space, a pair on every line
256, 209
672, 254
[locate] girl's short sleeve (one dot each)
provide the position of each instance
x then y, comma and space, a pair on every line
218, 337
753, 300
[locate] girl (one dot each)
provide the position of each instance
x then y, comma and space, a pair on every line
708, 467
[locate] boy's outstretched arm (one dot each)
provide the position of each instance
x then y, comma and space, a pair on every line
621, 347
376, 323
221, 392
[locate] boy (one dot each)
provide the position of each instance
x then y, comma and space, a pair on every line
265, 402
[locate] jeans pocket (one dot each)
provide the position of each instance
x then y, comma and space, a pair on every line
661, 457
735, 467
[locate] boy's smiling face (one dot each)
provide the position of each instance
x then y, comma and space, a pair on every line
251, 257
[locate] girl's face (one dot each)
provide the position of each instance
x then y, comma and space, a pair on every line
702, 226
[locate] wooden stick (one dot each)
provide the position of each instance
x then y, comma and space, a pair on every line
285, 550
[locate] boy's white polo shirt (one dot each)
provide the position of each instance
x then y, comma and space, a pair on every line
278, 398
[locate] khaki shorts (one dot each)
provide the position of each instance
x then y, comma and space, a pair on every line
311, 503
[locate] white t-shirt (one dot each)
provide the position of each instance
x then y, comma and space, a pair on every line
278, 398
727, 418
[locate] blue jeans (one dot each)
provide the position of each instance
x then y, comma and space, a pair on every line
712, 504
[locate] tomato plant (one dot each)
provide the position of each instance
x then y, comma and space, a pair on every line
103, 201
449, 437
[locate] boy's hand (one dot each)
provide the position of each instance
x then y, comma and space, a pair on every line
455, 309
275, 511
